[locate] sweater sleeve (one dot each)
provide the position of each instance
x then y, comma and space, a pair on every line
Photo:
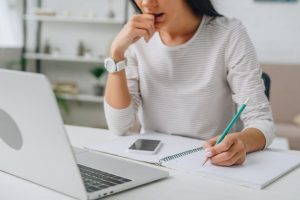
119, 121
244, 78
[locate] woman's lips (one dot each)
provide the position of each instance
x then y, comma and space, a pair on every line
158, 17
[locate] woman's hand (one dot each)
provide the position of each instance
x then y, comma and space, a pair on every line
231, 151
141, 25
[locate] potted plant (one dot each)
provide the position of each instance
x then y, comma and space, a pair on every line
98, 72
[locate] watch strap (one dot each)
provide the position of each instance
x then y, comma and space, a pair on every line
120, 65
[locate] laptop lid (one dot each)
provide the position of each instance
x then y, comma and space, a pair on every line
33, 143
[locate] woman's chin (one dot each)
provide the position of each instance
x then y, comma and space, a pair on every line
158, 26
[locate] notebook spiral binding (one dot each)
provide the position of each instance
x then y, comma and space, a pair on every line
178, 155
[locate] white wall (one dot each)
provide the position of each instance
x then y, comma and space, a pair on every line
10, 58
66, 37
273, 27
10, 24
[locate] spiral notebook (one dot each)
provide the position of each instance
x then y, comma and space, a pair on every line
172, 146
186, 154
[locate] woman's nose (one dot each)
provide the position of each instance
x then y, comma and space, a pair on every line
149, 3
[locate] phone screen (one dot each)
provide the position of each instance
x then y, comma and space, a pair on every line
145, 145
136, 7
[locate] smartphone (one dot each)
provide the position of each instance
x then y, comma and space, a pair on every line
145, 146
136, 7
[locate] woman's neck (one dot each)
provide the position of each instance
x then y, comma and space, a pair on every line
180, 31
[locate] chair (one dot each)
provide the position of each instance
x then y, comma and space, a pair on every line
267, 82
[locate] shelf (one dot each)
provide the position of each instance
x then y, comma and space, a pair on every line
73, 19
38, 56
82, 97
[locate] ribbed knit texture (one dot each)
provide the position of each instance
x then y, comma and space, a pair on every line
192, 89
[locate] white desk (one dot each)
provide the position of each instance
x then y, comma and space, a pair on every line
180, 185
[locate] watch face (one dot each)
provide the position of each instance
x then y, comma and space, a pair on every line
110, 65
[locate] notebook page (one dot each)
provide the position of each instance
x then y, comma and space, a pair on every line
259, 170
170, 145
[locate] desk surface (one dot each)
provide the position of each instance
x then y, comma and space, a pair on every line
180, 185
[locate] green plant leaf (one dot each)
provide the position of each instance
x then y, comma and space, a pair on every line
98, 72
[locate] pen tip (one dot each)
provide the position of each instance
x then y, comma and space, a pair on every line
204, 162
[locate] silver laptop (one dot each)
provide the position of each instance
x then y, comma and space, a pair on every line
35, 147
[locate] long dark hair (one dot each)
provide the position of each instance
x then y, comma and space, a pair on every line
203, 7
199, 7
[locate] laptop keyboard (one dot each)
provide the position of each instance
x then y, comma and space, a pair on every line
95, 180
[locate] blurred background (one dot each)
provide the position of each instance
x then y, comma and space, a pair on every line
67, 40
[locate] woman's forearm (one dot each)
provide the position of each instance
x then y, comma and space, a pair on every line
139, 26
116, 92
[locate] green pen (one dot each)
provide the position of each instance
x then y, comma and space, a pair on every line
228, 128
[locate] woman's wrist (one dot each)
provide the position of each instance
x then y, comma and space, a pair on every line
117, 55
243, 137
253, 139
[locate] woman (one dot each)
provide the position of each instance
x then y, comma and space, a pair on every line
186, 69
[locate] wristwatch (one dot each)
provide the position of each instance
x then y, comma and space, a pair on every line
111, 66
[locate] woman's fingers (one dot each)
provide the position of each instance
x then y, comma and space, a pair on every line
134, 28
141, 33
236, 154
138, 26
229, 152
225, 145
144, 21
241, 160
143, 18
144, 26
237, 159
210, 143
227, 155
